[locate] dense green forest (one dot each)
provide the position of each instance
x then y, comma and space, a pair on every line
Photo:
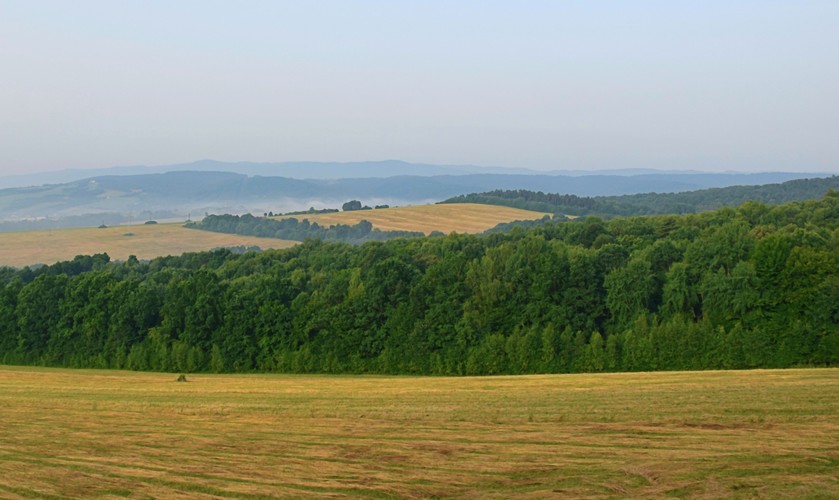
755, 286
655, 203
298, 230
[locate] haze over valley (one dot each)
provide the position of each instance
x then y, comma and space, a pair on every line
178, 192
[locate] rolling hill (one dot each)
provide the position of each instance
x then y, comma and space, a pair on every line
655, 203
461, 218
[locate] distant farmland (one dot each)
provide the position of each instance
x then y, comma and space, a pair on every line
146, 241
109, 434
460, 218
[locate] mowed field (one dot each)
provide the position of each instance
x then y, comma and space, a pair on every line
146, 241
103, 434
446, 218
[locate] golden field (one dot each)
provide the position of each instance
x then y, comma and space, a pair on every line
146, 241
446, 218
115, 434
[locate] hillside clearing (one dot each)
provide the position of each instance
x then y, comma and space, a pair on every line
768, 433
146, 241
460, 218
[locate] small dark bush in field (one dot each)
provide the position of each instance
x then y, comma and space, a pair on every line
181, 378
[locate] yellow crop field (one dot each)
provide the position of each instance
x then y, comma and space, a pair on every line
110, 434
457, 217
146, 241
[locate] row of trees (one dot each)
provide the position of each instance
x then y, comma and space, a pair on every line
299, 230
756, 286
353, 205
310, 211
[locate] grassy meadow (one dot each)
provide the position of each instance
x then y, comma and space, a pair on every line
446, 218
112, 434
146, 241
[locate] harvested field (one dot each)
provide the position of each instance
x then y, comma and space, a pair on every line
146, 241
109, 434
446, 218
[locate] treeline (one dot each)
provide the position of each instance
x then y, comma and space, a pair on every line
310, 211
655, 203
532, 200
505, 227
751, 287
298, 230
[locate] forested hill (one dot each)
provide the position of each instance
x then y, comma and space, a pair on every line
756, 286
655, 203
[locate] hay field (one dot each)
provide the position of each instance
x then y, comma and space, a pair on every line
457, 217
110, 434
146, 241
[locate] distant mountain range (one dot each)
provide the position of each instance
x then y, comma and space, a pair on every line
294, 170
182, 193
330, 170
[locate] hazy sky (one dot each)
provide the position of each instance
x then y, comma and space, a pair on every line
713, 85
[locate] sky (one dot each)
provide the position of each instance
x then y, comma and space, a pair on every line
568, 85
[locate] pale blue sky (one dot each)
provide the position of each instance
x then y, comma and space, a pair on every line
712, 85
